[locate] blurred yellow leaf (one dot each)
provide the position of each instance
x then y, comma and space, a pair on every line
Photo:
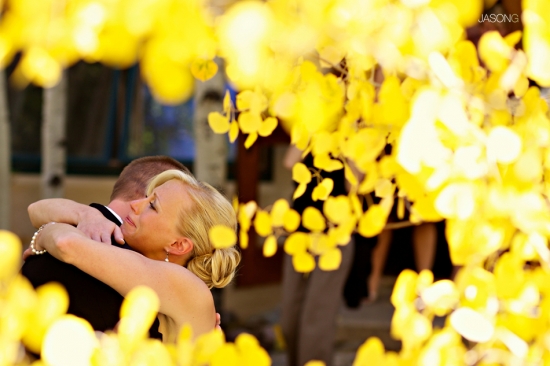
330, 260
337, 209
225, 355
372, 222
303, 262
270, 246
299, 191
296, 243
249, 122
471, 325
370, 352
10, 252
280, 207
243, 239
233, 131
300, 173
313, 219
291, 220
69, 333
250, 140
267, 126
262, 223
404, 290
204, 69
227, 102
322, 190
250, 351
218, 123
222, 236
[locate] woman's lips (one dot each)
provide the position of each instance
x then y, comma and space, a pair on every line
129, 221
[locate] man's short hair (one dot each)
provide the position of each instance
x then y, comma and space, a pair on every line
132, 181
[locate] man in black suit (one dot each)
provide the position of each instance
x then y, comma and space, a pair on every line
90, 298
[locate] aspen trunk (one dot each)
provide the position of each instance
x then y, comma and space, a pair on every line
5, 157
53, 139
210, 148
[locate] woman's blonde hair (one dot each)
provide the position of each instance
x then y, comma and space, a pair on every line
216, 267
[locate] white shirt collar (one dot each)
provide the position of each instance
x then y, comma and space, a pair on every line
114, 213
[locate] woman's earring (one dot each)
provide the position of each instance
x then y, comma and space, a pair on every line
166, 259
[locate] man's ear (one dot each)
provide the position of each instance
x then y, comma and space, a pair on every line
181, 246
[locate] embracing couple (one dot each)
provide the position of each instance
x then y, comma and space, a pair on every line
160, 212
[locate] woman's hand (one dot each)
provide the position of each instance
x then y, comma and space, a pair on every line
96, 227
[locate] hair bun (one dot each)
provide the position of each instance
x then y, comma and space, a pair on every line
216, 269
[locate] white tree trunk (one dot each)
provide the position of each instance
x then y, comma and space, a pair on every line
53, 139
210, 148
5, 157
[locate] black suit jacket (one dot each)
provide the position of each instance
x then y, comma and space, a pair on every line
89, 298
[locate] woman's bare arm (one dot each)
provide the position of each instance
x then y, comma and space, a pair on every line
183, 296
86, 218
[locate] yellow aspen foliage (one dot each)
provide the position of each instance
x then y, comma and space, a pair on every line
313, 220
303, 262
270, 246
291, 220
278, 211
373, 221
204, 69
262, 223
218, 123
222, 236
330, 260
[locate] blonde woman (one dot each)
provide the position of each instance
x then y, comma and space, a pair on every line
169, 232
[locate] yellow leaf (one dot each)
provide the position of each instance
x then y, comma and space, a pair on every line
330, 260
222, 236
350, 177
280, 207
270, 246
322, 191
225, 355
325, 163
243, 239
267, 126
513, 38
250, 140
10, 252
262, 223
249, 122
471, 325
72, 332
384, 188
404, 290
218, 123
297, 242
299, 190
204, 69
372, 222
291, 220
169, 82
337, 209
370, 353
300, 173
313, 219
299, 136
303, 262
494, 51
253, 101
227, 102
315, 363
233, 131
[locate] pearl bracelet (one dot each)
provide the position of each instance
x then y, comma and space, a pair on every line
33, 249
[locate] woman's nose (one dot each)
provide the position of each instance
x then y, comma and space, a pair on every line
136, 205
